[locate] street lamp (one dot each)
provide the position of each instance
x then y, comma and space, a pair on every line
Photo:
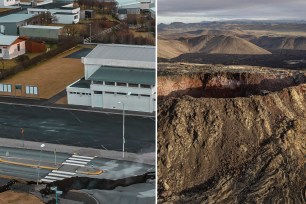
90, 32
123, 121
38, 168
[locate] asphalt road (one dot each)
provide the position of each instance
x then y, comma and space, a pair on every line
77, 128
114, 169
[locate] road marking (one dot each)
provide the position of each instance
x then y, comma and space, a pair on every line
77, 162
47, 180
81, 165
64, 172
84, 157
61, 175
78, 159
53, 177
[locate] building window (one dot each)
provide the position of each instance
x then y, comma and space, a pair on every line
110, 83
18, 47
134, 94
76, 17
121, 93
145, 86
121, 84
145, 95
107, 92
133, 85
97, 92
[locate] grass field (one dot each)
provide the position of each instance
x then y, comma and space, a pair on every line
18, 198
51, 76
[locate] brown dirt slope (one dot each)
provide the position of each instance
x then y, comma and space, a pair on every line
18, 198
233, 150
171, 48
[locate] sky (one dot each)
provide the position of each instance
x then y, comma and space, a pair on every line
188, 11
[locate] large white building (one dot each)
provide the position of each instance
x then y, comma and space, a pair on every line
64, 13
8, 2
117, 73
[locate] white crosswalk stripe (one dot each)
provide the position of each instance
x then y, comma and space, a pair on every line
77, 162
53, 177
82, 157
60, 175
74, 160
80, 165
63, 172
78, 159
47, 180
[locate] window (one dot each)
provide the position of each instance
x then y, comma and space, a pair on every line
97, 92
133, 85
18, 47
76, 17
110, 83
121, 84
6, 88
0, 51
145, 95
32, 90
107, 92
145, 86
121, 93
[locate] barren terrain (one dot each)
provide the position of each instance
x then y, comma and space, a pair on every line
231, 134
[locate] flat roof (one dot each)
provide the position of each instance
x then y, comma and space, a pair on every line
15, 18
54, 6
43, 27
82, 83
7, 39
123, 52
124, 75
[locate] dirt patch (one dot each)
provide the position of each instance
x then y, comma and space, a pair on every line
18, 198
51, 76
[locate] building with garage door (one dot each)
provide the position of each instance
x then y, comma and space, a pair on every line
117, 73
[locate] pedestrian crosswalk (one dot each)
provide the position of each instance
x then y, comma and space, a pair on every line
74, 160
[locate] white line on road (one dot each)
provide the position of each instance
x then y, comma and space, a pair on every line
77, 162
47, 180
84, 157
78, 159
60, 175
64, 172
54, 178
81, 165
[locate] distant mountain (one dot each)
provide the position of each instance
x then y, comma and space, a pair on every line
208, 44
292, 43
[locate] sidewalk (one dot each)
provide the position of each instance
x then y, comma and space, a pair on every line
147, 158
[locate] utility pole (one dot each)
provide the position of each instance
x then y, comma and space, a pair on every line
22, 136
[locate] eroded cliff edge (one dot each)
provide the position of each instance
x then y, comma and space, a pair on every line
239, 138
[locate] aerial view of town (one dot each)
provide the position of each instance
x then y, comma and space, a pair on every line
77, 101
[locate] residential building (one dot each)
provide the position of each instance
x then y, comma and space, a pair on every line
35, 2
126, 7
117, 73
51, 33
10, 24
63, 13
8, 2
11, 46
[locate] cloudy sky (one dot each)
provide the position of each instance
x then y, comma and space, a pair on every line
201, 10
